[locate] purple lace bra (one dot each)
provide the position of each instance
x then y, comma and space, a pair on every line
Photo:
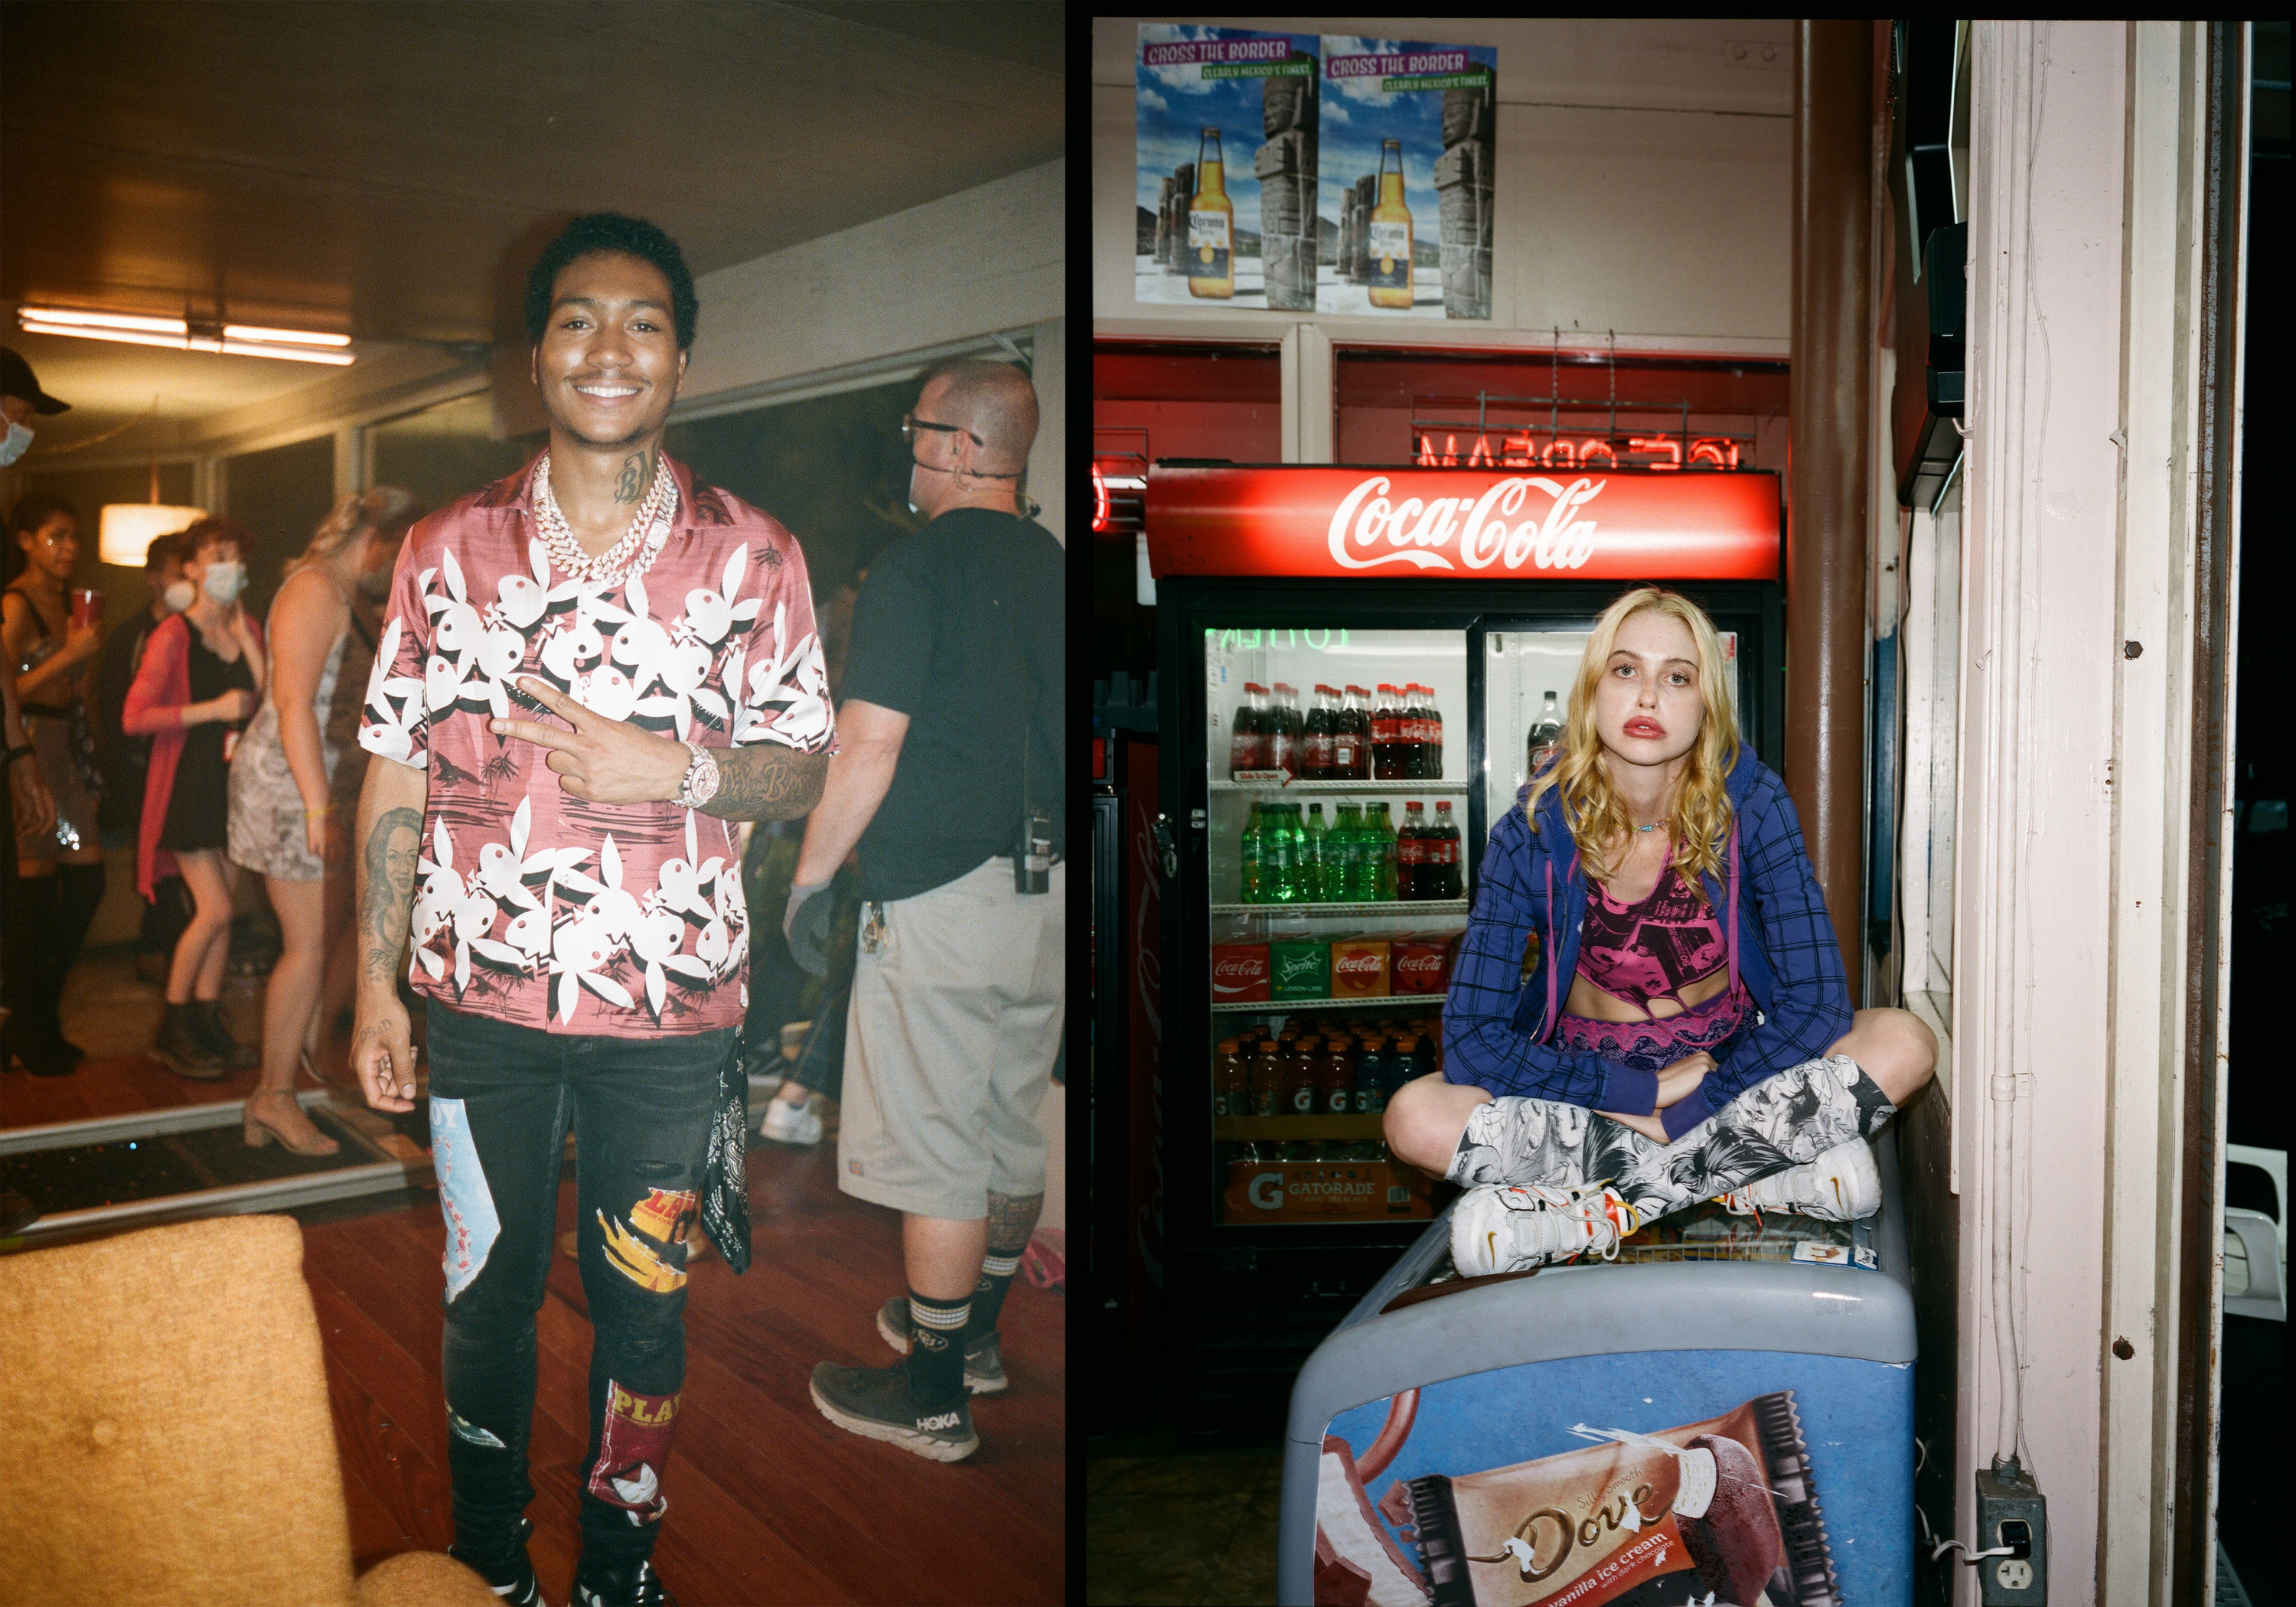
1652, 949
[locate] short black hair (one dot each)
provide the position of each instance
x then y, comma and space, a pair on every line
612, 232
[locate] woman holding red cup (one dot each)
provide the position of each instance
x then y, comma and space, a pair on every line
49, 632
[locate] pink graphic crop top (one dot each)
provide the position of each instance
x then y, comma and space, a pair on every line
1654, 948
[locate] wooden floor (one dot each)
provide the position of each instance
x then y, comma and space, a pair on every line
768, 1501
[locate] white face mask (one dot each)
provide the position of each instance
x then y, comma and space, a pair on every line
222, 582
180, 595
18, 442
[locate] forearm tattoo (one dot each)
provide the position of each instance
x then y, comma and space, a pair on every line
766, 782
1012, 1219
386, 891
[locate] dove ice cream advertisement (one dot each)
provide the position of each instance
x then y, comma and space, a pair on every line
1224, 212
1714, 1478
1405, 145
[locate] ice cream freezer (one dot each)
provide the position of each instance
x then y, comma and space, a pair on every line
1723, 1415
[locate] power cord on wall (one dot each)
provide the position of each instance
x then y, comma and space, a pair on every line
1938, 1547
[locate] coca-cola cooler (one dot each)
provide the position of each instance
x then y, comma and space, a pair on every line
1481, 585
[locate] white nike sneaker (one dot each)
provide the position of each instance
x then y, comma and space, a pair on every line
1508, 1228
785, 1123
1841, 1185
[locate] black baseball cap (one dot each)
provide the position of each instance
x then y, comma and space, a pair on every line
16, 379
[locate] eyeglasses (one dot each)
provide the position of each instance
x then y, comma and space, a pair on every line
911, 423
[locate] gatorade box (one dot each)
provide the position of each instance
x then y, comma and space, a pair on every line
1300, 968
1359, 968
1239, 973
1421, 961
1325, 1191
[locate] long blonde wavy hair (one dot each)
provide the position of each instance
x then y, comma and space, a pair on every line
353, 514
1598, 822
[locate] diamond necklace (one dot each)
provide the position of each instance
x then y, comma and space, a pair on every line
649, 528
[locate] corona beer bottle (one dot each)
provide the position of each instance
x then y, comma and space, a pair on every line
1211, 224
1390, 234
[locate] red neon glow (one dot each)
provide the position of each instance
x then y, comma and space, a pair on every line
1099, 501
1518, 451
1488, 522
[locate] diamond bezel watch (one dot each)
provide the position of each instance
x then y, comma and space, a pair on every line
701, 782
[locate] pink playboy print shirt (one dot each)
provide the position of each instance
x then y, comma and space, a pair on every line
533, 907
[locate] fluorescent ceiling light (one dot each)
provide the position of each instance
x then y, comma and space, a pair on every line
50, 315
190, 342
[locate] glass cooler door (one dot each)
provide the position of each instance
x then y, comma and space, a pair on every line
1335, 906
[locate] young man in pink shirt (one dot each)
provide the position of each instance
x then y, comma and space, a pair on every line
587, 672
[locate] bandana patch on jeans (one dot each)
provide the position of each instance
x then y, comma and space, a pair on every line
464, 1196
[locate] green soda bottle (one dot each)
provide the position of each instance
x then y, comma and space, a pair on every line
1384, 841
1315, 858
1250, 857
1279, 858
1345, 851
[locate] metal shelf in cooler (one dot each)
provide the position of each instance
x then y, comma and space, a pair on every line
1272, 1006
1327, 787
1384, 906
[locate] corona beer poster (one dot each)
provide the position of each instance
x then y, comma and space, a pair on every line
1225, 200
1406, 136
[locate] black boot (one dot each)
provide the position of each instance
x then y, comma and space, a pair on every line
630, 1585
506, 1568
181, 1044
79, 890
24, 970
206, 1021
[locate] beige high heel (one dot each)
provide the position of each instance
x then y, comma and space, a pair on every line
259, 1132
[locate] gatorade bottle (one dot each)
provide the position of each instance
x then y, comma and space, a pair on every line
1267, 1073
1413, 878
1300, 1076
1417, 1062
1284, 731
1386, 734
1231, 1083
1383, 846
1336, 1077
1250, 854
1322, 730
1247, 744
1316, 856
1369, 1091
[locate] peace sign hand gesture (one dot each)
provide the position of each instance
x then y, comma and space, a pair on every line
600, 760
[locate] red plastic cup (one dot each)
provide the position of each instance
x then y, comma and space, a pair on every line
87, 606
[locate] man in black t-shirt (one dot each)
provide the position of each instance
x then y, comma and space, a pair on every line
951, 740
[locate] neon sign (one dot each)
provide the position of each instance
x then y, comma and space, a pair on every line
1099, 501
1663, 452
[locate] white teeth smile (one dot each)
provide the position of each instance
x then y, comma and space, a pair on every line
607, 390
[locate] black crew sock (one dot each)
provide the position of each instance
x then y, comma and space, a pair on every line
997, 1273
936, 1349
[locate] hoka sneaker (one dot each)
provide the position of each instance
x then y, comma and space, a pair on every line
984, 1359
876, 1402
1500, 1228
632, 1584
1840, 1185
509, 1577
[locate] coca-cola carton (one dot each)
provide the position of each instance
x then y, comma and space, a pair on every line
1421, 961
1300, 968
1240, 974
1359, 968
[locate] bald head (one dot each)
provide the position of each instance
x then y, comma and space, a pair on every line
993, 400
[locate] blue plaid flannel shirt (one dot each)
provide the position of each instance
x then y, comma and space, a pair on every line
1496, 1024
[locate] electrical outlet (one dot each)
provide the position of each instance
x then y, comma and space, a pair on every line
2012, 1512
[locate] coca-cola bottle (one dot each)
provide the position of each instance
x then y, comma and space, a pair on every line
1412, 869
1450, 880
1323, 729
1386, 735
1247, 742
1430, 744
1545, 737
1351, 752
1415, 730
1284, 730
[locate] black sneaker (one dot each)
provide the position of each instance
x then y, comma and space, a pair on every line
632, 1584
206, 1021
511, 1576
183, 1046
876, 1402
984, 1360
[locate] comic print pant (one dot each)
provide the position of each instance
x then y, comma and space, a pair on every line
502, 1097
1792, 1117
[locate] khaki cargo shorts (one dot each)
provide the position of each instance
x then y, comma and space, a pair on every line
958, 999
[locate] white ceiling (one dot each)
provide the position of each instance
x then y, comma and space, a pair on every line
387, 170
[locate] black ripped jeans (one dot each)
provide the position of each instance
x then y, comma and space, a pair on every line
501, 1098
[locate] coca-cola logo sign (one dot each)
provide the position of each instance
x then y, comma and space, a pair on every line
1357, 964
1239, 968
1411, 530
1494, 522
1420, 965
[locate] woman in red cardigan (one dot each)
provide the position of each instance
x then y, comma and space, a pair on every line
202, 677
